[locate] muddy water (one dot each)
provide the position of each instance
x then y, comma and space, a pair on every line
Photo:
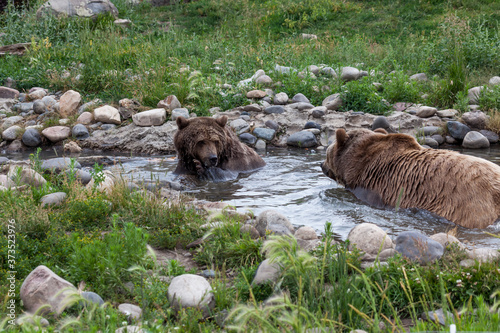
293, 184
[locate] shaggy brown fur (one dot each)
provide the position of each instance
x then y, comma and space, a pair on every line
205, 143
394, 168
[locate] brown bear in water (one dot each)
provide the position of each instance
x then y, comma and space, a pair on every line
208, 148
391, 169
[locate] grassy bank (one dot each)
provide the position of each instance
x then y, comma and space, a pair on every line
102, 240
227, 41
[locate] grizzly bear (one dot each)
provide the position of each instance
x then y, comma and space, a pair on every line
390, 170
206, 147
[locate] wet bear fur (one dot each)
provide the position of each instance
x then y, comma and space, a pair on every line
385, 169
207, 147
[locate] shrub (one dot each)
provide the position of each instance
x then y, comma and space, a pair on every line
401, 89
362, 96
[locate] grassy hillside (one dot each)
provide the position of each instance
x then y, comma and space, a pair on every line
145, 61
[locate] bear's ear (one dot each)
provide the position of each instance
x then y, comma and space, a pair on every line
381, 131
182, 122
341, 136
222, 121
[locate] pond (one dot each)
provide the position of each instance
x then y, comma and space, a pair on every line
293, 184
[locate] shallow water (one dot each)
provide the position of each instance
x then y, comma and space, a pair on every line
293, 184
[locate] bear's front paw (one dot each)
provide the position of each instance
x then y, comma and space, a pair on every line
199, 167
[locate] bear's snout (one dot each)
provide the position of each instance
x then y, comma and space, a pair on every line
327, 171
213, 160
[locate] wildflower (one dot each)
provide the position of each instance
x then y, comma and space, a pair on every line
459, 283
108, 316
418, 280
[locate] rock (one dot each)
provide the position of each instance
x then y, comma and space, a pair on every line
386, 254
25, 108
438, 138
80, 132
438, 316
448, 113
89, 105
484, 255
247, 138
9, 121
274, 109
475, 120
85, 118
467, 263
208, 273
87, 8
37, 94
428, 141
457, 130
267, 272
308, 244
282, 69
264, 80
271, 217
25, 175
256, 94
82, 176
430, 130
264, 133
332, 102
298, 98
92, 297
44, 287
39, 107
495, 80
369, 238
247, 229
260, 144
382, 122
278, 230
426, 111
318, 112
239, 126
418, 77
312, 124
107, 127
280, 99
349, 74
191, 291
328, 71
106, 186
49, 102
155, 117
8, 93
12, 133
445, 240
6, 181
108, 115
56, 133
180, 112
418, 247
473, 95
301, 106
130, 310
72, 147
124, 23
128, 107
59, 164
32, 320
491, 136
272, 124
306, 233
170, 103
252, 108
69, 101
302, 139
15, 146
475, 140
53, 199
3, 160
309, 36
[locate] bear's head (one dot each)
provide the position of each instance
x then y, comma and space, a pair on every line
343, 157
202, 138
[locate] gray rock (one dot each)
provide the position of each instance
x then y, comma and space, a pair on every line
300, 98
491, 136
430, 130
191, 291
43, 287
301, 106
89, 105
350, 74
247, 138
282, 69
431, 142
239, 126
306, 233
278, 230
128, 107
155, 117
6, 92
82, 176
302, 139
280, 98
475, 120
250, 229
108, 115
59, 164
426, 111
26, 107
445, 240
457, 130
208, 273
49, 101
260, 144
264, 79
264, 133
484, 254
448, 113
318, 112
87, 9
170, 103
274, 109
475, 140
32, 138
332, 102
495, 80
418, 77
252, 108
39, 107
267, 272
130, 310
438, 316
180, 112
9, 121
107, 127
272, 124
56, 133
3, 160
308, 244
328, 71
473, 95
369, 238
53, 199
80, 132
271, 217
450, 140
439, 138
25, 175
12, 133
92, 297
312, 124
418, 247
382, 122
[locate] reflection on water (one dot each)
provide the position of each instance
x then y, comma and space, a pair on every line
293, 184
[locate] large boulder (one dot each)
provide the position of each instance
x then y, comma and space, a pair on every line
44, 287
191, 291
267, 272
418, 247
108, 115
57, 133
25, 175
69, 102
155, 117
78, 8
269, 218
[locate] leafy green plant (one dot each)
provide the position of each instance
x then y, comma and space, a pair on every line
401, 89
362, 96
489, 99
97, 174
